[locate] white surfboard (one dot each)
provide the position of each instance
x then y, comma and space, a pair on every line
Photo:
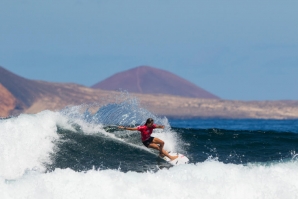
182, 159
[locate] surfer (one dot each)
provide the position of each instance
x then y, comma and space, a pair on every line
151, 142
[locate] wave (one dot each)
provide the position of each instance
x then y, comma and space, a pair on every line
80, 140
80, 153
72, 139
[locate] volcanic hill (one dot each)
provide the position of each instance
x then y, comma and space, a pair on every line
149, 80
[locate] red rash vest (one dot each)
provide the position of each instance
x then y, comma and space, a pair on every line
146, 131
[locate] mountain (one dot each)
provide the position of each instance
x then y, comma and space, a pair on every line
149, 80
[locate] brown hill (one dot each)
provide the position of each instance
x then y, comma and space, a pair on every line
21, 88
7, 102
33, 96
149, 80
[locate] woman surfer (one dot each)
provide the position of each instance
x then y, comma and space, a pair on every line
151, 142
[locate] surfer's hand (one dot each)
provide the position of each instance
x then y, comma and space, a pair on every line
121, 127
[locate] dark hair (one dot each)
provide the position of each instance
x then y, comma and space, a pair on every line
149, 120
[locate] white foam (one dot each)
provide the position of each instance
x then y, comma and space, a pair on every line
209, 179
26, 142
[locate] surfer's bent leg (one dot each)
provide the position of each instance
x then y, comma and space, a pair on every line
158, 144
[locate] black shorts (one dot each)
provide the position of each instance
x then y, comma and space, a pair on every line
147, 142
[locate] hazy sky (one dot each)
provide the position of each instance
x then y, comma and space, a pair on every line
241, 50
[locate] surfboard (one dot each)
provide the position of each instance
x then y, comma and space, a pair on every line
182, 159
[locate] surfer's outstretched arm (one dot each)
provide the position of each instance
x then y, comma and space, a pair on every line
128, 128
160, 126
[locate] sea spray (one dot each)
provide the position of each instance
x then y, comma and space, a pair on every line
125, 111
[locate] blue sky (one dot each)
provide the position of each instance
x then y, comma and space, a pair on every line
239, 50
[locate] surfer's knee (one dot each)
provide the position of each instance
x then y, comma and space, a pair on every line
159, 141
162, 143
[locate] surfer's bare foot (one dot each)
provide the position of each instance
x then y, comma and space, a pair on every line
161, 155
174, 157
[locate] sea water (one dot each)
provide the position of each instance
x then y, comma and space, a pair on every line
79, 154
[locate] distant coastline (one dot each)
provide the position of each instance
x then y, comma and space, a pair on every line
21, 95
173, 106
180, 107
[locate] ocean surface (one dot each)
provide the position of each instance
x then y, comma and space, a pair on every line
79, 153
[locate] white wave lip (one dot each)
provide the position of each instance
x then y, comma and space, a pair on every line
210, 179
26, 143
